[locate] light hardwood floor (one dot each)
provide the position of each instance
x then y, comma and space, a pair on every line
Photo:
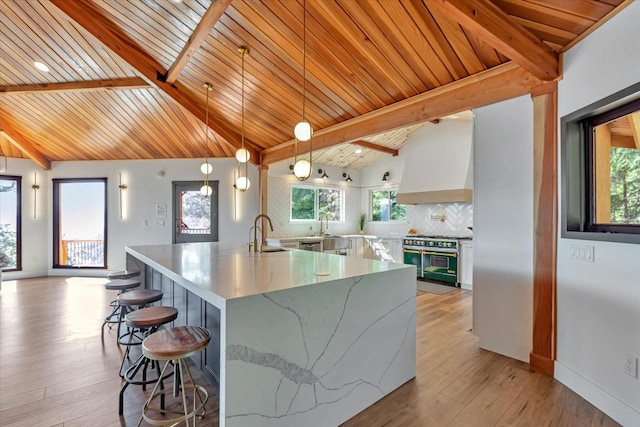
55, 370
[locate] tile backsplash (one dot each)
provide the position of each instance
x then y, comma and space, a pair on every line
459, 216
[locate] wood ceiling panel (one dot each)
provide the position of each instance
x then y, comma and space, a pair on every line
7, 149
33, 30
458, 40
137, 124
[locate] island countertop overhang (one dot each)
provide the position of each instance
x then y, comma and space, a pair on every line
221, 271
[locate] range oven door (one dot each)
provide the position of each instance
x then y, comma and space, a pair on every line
440, 266
413, 256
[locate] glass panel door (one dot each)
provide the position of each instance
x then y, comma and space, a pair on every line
195, 216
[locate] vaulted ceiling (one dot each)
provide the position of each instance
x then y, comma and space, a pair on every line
125, 78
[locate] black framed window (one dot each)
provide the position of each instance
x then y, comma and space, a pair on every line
80, 223
601, 169
11, 220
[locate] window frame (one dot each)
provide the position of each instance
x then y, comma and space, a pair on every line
577, 172
18, 180
56, 222
316, 206
390, 221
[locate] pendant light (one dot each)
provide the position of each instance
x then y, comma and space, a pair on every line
206, 167
242, 155
303, 130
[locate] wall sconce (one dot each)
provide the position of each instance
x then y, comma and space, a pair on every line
385, 177
347, 176
35, 187
122, 187
324, 173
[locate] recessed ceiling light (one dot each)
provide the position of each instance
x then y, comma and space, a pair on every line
40, 66
359, 150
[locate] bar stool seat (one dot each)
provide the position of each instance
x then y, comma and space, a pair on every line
122, 285
123, 274
174, 345
140, 297
147, 321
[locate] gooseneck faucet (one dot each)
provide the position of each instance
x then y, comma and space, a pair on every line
255, 231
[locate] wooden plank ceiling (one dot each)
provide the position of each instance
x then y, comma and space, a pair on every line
125, 78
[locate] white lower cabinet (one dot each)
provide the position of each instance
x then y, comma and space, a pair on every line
466, 264
384, 249
356, 245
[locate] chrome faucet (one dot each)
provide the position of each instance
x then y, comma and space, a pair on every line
255, 232
322, 219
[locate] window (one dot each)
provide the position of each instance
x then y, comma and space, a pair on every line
315, 203
10, 217
384, 206
601, 170
80, 223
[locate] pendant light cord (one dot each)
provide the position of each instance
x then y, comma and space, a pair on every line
243, 53
207, 87
304, 59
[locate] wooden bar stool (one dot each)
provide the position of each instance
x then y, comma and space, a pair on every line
121, 286
130, 301
174, 345
146, 321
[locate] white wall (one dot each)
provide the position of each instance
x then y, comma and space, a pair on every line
599, 302
503, 227
145, 190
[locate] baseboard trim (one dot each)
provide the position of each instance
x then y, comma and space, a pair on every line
601, 399
541, 364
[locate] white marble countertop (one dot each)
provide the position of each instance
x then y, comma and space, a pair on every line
223, 271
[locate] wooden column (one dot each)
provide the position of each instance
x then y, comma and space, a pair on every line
264, 187
545, 223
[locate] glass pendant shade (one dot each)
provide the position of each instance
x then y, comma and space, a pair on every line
243, 155
302, 169
206, 168
243, 183
303, 131
206, 190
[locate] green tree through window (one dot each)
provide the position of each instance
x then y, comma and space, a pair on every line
385, 208
315, 203
625, 186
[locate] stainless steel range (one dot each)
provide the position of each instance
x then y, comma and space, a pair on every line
435, 257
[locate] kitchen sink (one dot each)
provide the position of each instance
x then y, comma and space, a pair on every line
335, 243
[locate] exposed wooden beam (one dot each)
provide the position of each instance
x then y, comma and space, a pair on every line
376, 147
497, 84
83, 13
489, 23
24, 145
204, 27
634, 121
125, 83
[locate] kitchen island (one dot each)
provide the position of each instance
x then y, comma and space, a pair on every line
299, 338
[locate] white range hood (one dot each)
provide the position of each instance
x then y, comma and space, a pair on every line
438, 164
